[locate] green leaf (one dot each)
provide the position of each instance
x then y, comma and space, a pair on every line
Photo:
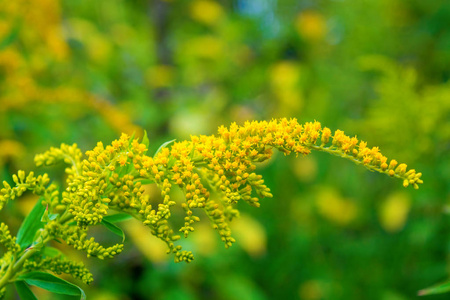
131, 140
51, 251
114, 229
30, 225
46, 217
436, 289
145, 139
146, 181
52, 283
24, 291
116, 218
163, 145
52, 216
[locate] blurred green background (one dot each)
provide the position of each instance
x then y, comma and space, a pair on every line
85, 71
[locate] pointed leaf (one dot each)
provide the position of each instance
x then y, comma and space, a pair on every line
145, 139
30, 225
114, 229
437, 289
45, 217
116, 218
132, 136
163, 145
24, 291
52, 283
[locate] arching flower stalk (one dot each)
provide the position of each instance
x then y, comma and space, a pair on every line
110, 180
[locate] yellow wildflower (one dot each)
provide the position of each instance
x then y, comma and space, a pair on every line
111, 176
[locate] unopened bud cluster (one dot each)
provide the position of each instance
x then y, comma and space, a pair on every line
59, 265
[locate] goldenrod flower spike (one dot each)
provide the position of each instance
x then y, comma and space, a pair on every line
214, 172
110, 178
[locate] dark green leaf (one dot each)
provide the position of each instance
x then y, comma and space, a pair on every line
30, 225
114, 229
52, 283
117, 218
437, 289
24, 291
163, 145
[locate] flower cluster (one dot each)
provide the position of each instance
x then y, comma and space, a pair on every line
213, 172
7, 240
38, 185
112, 177
59, 264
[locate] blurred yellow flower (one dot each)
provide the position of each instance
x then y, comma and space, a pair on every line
205, 239
117, 119
334, 207
206, 12
250, 234
393, 212
284, 80
305, 169
5, 29
150, 246
27, 203
10, 148
311, 25
10, 60
284, 74
56, 43
43, 21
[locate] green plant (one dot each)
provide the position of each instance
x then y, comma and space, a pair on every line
214, 172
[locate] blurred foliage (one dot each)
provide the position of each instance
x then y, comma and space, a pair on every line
84, 71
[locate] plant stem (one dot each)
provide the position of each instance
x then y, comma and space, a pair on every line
9, 273
16, 265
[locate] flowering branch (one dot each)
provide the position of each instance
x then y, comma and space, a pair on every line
111, 178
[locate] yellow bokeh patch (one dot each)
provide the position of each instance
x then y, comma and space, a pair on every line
250, 234
150, 246
331, 205
205, 239
206, 12
394, 210
311, 25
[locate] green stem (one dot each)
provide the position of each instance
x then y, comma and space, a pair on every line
9, 273
17, 264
